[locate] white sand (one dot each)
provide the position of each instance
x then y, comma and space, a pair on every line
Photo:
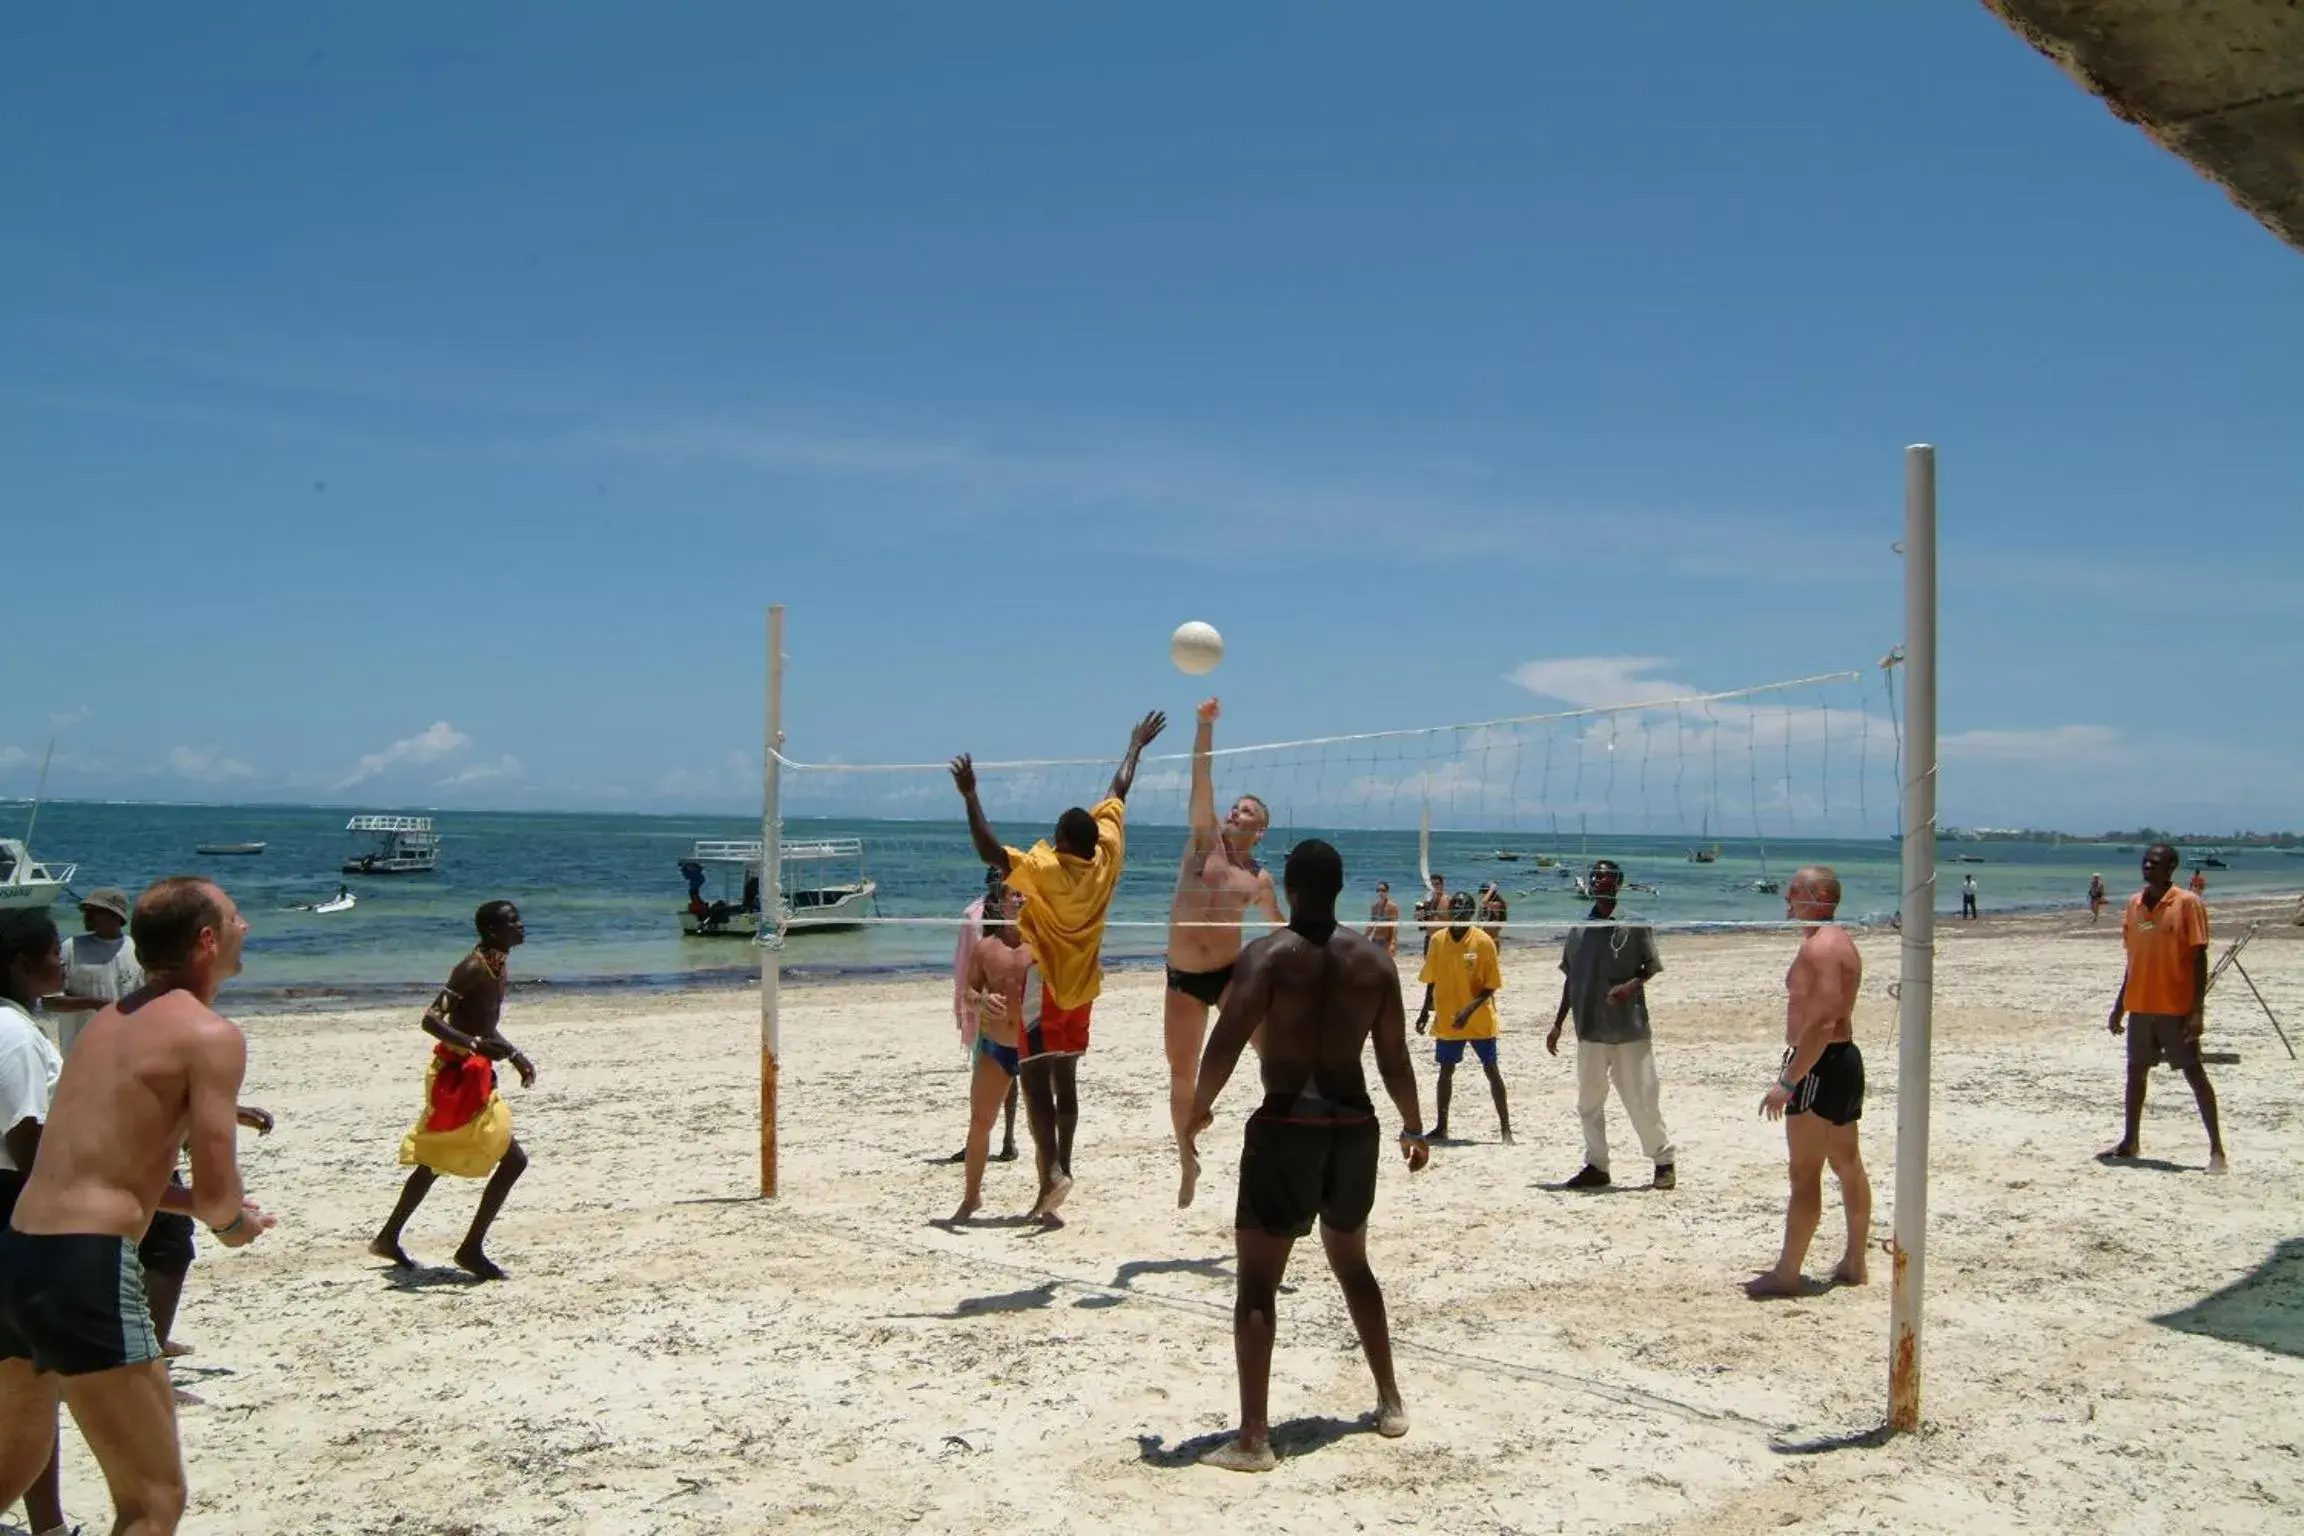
672, 1356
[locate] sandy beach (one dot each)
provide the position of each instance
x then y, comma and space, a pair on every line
2108, 1348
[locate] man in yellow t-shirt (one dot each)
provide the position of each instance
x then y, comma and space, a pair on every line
2162, 994
1461, 979
1067, 883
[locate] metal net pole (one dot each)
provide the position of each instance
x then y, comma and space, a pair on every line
1916, 980
771, 896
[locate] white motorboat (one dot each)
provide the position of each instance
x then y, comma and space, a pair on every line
230, 850
343, 901
811, 903
405, 845
27, 882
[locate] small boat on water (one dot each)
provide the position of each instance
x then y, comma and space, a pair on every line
1968, 858
342, 901
25, 882
2210, 861
405, 845
812, 904
1506, 855
230, 850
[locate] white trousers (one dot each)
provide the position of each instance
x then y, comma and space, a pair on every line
1632, 1068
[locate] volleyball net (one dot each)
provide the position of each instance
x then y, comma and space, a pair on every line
1707, 801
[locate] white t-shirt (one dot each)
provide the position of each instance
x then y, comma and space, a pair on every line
29, 1067
95, 967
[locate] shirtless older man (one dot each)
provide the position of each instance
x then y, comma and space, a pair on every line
1218, 882
153, 1071
1819, 1094
1312, 995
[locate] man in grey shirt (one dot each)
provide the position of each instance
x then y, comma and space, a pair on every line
1607, 966
99, 966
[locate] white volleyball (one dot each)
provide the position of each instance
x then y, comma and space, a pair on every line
1196, 648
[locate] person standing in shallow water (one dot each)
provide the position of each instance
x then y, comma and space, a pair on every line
466, 1127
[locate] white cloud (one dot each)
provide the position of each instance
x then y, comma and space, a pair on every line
13, 757
505, 767
428, 745
207, 765
737, 778
2045, 744
70, 717
1600, 682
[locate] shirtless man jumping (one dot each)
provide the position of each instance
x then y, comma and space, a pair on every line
1219, 880
998, 968
1312, 994
466, 1127
1819, 1095
1067, 886
153, 1069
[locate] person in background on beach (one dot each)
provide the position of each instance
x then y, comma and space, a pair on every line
1384, 920
1494, 913
1432, 911
1604, 972
99, 965
2095, 897
999, 965
964, 1013
1067, 886
465, 1127
1218, 881
1819, 1094
1968, 896
31, 967
2199, 882
2164, 996
1313, 996
73, 1320
1461, 978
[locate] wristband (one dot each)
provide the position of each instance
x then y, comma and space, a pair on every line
1412, 1136
236, 1224
1789, 1085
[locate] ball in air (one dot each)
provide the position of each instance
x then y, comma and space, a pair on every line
1196, 648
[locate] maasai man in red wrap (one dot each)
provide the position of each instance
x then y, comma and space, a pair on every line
466, 1127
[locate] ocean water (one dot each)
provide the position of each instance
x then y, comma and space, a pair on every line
602, 893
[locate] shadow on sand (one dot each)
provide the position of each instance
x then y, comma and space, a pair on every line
2264, 1307
1296, 1437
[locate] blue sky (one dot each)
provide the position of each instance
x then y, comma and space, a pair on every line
417, 407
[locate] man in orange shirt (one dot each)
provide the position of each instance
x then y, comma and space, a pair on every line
2163, 994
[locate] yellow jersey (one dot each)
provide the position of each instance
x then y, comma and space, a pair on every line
1066, 898
1459, 970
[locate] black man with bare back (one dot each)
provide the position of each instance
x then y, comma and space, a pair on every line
153, 1072
1067, 885
1217, 883
1313, 996
466, 1127
1819, 1092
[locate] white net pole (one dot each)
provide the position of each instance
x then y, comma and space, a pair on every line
771, 896
1917, 976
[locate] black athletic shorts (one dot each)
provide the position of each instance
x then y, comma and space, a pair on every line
73, 1303
11, 1185
1201, 986
1833, 1090
1302, 1157
2154, 1038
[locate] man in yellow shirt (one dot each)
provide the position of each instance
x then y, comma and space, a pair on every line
2163, 994
1461, 979
1067, 883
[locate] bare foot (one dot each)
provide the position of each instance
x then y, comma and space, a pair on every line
2216, 1164
1006, 1154
477, 1264
1191, 1181
1238, 1456
960, 1156
386, 1249
174, 1350
1773, 1284
1506, 1137
967, 1209
2124, 1149
1391, 1420
1053, 1196
1851, 1272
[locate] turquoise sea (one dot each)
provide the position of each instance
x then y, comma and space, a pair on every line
602, 893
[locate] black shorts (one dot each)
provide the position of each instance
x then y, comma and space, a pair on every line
2154, 1038
1205, 987
73, 1303
1833, 1090
167, 1246
1298, 1161
11, 1185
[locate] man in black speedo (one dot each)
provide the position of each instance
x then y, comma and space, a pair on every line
1317, 993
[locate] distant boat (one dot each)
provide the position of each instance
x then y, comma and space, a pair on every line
405, 845
342, 901
2210, 861
229, 850
1507, 855
1968, 858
